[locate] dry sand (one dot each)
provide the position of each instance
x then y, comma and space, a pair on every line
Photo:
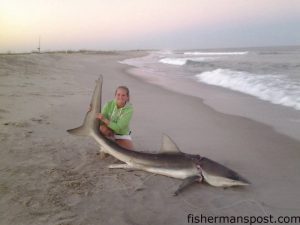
50, 177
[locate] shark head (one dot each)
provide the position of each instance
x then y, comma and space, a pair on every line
216, 174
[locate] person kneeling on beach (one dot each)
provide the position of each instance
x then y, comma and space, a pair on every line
115, 118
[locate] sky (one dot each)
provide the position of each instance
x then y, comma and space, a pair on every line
145, 24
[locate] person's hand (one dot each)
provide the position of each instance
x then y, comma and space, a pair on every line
100, 116
90, 108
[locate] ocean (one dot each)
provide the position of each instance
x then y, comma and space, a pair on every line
269, 75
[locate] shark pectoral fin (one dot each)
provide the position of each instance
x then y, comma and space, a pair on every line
120, 166
186, 182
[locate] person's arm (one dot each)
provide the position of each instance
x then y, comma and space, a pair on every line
123, 122
105, 110
103, 119
104, 115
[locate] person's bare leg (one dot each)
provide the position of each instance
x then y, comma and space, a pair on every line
125, 143
107, 132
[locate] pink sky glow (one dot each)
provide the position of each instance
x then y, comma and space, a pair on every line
129, 24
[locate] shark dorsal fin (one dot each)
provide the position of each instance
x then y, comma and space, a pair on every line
168, 145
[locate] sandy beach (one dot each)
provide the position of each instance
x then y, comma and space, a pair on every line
50, 177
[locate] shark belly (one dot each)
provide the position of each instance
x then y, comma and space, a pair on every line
219, 181
169, 172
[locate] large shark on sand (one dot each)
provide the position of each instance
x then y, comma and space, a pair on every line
170, 161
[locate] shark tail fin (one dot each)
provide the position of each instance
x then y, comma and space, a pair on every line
79, 131
90, 123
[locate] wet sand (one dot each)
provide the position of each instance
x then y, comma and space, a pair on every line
50, 177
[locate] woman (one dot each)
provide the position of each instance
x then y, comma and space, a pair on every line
115, 118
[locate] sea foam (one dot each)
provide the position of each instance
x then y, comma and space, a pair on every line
183, 61
215, 53
272, 88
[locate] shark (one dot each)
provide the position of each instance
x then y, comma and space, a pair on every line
169, 161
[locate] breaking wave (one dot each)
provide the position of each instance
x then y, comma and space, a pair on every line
183, 61
216, 53
272, 88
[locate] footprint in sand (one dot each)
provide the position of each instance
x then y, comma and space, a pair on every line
25, 125
27, 133
3, 111
17, 124
40, 120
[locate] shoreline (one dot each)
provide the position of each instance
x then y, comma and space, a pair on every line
284, 120
50, 177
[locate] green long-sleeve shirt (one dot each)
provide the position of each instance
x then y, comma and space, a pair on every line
119, 118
